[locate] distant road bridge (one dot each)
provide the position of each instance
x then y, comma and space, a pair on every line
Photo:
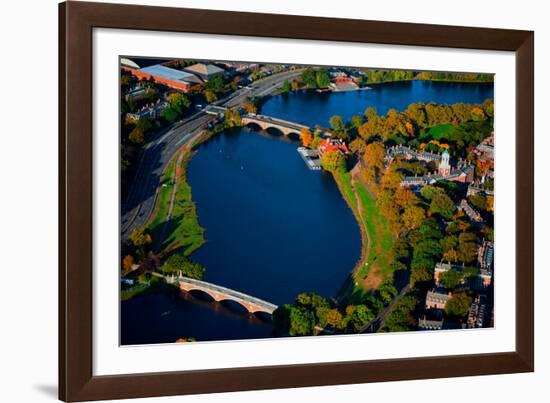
268, 122
219, 293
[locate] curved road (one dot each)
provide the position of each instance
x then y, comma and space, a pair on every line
140, 200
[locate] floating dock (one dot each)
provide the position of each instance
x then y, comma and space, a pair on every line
311, 158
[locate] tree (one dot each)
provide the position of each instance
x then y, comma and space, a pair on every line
306, 137
127, 264
321, 78
216, 83
170, 114
179, 263
309, 79
302, 322
250, 107
138, 237
387, 292
440, 202
357, 145
413, 217
338, 126
286, 87
358, 316
451, 278
356, 121
373, 159
333, 161
178, 102
136, 136
210, 96
458, 305
400, 317
334, 318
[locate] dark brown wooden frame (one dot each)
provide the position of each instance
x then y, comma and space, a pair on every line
76, 22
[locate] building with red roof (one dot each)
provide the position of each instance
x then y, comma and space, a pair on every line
331, 144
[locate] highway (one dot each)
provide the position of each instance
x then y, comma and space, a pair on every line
138, 204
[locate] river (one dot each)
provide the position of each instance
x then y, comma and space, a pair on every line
273, 227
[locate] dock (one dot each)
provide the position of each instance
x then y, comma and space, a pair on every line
311, 158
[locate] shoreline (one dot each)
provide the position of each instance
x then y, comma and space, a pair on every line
346, 291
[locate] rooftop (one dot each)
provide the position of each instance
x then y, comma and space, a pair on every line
204, 69
158, 70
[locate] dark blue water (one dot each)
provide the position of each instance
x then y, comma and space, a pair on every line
273, 227
311, 107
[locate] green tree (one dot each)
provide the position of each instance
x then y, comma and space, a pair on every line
286, 87
179, 263
302, 322
321, 78
216, 83
440, 202
309, 79
458, 305
358, 316
178, 102
451, 278
170, 114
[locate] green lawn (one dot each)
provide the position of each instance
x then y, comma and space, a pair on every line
378, 232
183, 229
376, 226
436, 132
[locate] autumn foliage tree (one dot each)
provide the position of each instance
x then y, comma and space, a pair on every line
333, 161
127, 264
306, 137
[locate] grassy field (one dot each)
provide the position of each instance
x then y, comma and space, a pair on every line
471, 132
437, 132
182, 230
381, 241
378, 243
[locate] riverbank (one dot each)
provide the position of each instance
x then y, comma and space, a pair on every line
374, 265
174, 223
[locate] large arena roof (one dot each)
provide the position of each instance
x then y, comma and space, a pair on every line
158, 70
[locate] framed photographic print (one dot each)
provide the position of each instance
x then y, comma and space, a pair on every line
252, 201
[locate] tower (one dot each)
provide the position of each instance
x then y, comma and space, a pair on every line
444, 165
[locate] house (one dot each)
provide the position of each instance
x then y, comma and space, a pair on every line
204, 71
426, 324
151, 111
477, 313
470, 211
437, 298
330, 144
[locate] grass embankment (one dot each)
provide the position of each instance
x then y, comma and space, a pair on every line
182, 230
375, 264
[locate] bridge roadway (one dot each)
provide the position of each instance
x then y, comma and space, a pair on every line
266, 122
138, 205
219, 293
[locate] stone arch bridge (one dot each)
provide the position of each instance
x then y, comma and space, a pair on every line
267, 122
219, 293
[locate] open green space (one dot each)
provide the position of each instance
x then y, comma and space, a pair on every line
379, 234
182, 230
378, 248
466, 132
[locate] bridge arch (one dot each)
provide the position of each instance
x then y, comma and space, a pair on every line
253, 126
219, 294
